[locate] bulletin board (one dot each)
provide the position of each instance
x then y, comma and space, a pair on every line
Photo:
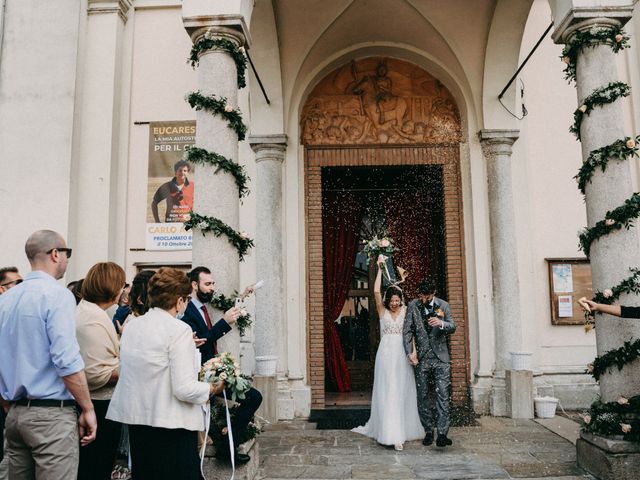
569, 280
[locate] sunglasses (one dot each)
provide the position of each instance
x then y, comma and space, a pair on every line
61, 249
13, 282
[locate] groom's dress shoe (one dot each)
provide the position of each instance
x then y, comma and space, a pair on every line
443, 441
428, 439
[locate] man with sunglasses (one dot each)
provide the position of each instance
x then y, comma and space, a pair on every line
42, 378
9, 278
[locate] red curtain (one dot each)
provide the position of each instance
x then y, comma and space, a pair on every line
413, 231
341, 218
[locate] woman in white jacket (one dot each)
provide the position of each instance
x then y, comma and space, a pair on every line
158, 394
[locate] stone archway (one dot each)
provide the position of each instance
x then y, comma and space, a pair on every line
383, 112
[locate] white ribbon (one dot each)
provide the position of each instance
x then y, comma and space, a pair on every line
230, 433
207, 422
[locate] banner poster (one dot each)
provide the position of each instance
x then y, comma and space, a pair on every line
170, 185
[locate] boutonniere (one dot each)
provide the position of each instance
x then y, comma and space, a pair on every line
438, 311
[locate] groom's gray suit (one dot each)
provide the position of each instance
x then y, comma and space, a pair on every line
433, 357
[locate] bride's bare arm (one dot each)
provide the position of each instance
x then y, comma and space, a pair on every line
376, 292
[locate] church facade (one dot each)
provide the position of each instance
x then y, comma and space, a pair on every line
387, 117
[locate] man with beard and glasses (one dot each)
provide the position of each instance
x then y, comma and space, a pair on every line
197, 316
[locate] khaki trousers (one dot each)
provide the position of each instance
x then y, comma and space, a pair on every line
42, 443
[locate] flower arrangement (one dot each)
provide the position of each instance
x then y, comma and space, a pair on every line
615, 418
224, 367
378, 246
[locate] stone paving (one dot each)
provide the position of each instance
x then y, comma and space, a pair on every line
498, 448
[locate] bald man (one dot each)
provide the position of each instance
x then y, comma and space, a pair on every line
42, 379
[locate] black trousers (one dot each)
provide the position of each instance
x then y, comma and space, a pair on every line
244, 412
164, 453
97, 458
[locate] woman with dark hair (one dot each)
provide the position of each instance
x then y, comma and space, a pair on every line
138, 295
76, 289
394, 408
100, 349
159, 395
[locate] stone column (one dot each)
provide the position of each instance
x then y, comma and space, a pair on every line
611, 256
496, 146
269, 317
216, 194
269, 325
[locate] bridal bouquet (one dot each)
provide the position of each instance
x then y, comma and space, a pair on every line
224, 367
378, 246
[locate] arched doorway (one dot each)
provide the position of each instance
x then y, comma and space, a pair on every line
381, 141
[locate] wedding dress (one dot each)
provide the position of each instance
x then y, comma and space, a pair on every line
394, 407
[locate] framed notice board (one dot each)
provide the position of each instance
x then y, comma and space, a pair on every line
569, 280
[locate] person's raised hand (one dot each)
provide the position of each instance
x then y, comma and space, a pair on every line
231, 315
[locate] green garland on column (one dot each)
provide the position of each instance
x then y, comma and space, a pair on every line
598, 98
613, 36
607, 418
620, 149
216, 226
236, 53
219, 106
204, 157
623, 216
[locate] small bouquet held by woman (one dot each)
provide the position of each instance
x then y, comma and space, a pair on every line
224, 367
378, 246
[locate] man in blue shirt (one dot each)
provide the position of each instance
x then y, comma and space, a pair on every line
41, 370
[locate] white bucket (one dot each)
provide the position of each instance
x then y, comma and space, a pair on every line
266, 365
545, 406
521, 360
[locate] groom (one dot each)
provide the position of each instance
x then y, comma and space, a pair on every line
429, 321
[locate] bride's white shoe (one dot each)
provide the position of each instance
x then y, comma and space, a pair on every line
399, 447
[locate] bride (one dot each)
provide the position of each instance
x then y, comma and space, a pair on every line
394, 410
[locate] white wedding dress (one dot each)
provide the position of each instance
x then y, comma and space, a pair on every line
394, 407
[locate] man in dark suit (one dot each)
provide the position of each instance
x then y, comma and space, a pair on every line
429, 322
197, 316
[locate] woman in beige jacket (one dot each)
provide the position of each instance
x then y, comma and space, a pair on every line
158, 394
100, 349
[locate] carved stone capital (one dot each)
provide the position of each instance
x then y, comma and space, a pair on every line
498, 142
583, 18
121, 7
269, 147
231, 26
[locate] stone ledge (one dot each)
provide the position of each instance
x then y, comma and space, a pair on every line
610, 445
605, 465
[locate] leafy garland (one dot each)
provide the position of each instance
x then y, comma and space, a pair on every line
615, 219
204, 157
223, 303
614, 418
216, 226
235, 52
619, 357
598, 98
621, 417
613, 36
219, 106
620, 149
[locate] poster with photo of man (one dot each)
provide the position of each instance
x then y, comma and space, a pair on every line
170, 186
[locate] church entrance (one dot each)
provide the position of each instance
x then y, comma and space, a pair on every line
381, 141
358, 203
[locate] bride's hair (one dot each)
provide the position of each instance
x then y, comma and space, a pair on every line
390, 292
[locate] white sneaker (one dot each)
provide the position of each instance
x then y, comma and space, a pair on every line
399, 447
